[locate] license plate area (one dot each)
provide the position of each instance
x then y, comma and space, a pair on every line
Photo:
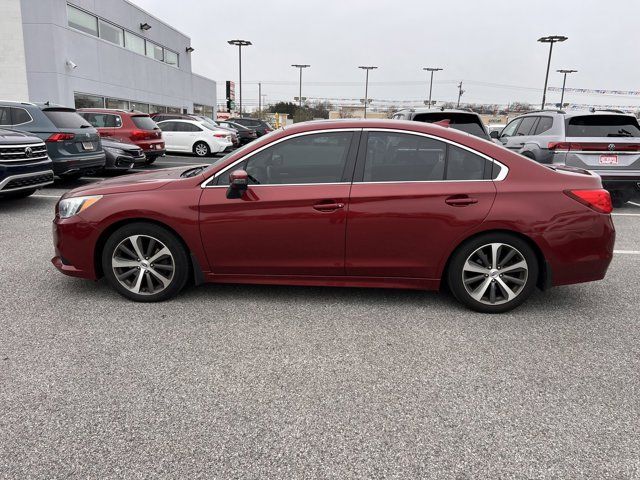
608, 159
87, 145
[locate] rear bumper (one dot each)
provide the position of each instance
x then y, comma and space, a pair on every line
78, 163
619, 177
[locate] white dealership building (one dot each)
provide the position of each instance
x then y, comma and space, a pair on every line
98, 53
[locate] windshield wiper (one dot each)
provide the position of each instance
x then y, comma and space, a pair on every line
621, 133
192, 172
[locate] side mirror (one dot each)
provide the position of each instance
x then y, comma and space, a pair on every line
238, 183
495, 134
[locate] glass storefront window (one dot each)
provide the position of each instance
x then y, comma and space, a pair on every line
134, 43
155, 51
111, 33
83, 100
171, 58
157, 109
116, 103
141, 107
82, 21
174, 110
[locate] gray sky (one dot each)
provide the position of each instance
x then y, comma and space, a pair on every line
476, 41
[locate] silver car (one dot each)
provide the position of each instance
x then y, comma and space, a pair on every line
606, 142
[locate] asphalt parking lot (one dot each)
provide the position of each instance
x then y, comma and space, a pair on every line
292, 382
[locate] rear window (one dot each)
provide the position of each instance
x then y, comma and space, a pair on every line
66, 119
466, 123
603, 126
144, 123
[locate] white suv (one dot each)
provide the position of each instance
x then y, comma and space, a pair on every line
190, 136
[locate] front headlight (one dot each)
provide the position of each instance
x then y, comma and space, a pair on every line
74, 205
114, 151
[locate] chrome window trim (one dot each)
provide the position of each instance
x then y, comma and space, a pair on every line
504, 170
26, 175
264, 147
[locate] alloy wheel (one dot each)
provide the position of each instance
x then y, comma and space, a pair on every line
495, 274
201, 150
143, 265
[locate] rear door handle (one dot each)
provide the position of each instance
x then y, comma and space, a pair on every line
457, 201
328, 207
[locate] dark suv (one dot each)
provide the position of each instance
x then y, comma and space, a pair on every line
464, 120
606, 142
129, 126
24, 164
261, 127
72, 144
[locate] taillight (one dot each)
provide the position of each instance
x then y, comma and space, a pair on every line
598, 200
60, 137
559, 146
138, 135
219, 135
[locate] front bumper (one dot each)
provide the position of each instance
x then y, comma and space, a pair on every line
15, 176
73, 241
155, 153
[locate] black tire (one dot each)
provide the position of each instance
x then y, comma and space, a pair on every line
455, 273
72, 177
150, 160
178, 252
201, 149
18, 194
620, 197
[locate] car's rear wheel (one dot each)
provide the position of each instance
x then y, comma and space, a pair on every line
18, 194
145, 262
493, 273
201, 149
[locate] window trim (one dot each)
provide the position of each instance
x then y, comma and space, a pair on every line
504, 170
117, 27
11, 117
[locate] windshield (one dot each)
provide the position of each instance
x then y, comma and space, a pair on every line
603, 126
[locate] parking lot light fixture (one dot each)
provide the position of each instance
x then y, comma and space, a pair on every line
145, 26
240, 44
190, 49
564, 83
431, 69
551, 39
300, 67
366, 86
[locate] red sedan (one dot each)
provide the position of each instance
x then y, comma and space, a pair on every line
345, 203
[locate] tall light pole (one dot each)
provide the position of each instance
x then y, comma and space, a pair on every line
551, 39
431, 69
366, 87
564, 83
300, 67
240, 44
460, 92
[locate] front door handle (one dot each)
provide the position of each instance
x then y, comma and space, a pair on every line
328, 207
460, 201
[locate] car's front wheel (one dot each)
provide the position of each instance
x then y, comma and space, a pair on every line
145, 262
201, 149
493, 273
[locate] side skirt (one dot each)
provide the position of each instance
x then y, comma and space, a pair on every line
337, 281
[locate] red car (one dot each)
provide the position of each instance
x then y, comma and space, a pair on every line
345, 203
128, 126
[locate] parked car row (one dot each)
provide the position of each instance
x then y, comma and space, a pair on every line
606, 142
41, 140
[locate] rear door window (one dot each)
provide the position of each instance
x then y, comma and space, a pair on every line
401, 157
66, 119
168, 126
20, 116
602, 126
143, 122
5, 116
544, 125
526, 126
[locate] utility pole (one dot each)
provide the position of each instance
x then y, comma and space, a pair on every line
366, 87
564, 83
300, 67
259, 100
460, 92
431, 69
240, 44
551, 39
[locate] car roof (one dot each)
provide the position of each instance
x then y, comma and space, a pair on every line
112, 110
436, 110
576, 113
